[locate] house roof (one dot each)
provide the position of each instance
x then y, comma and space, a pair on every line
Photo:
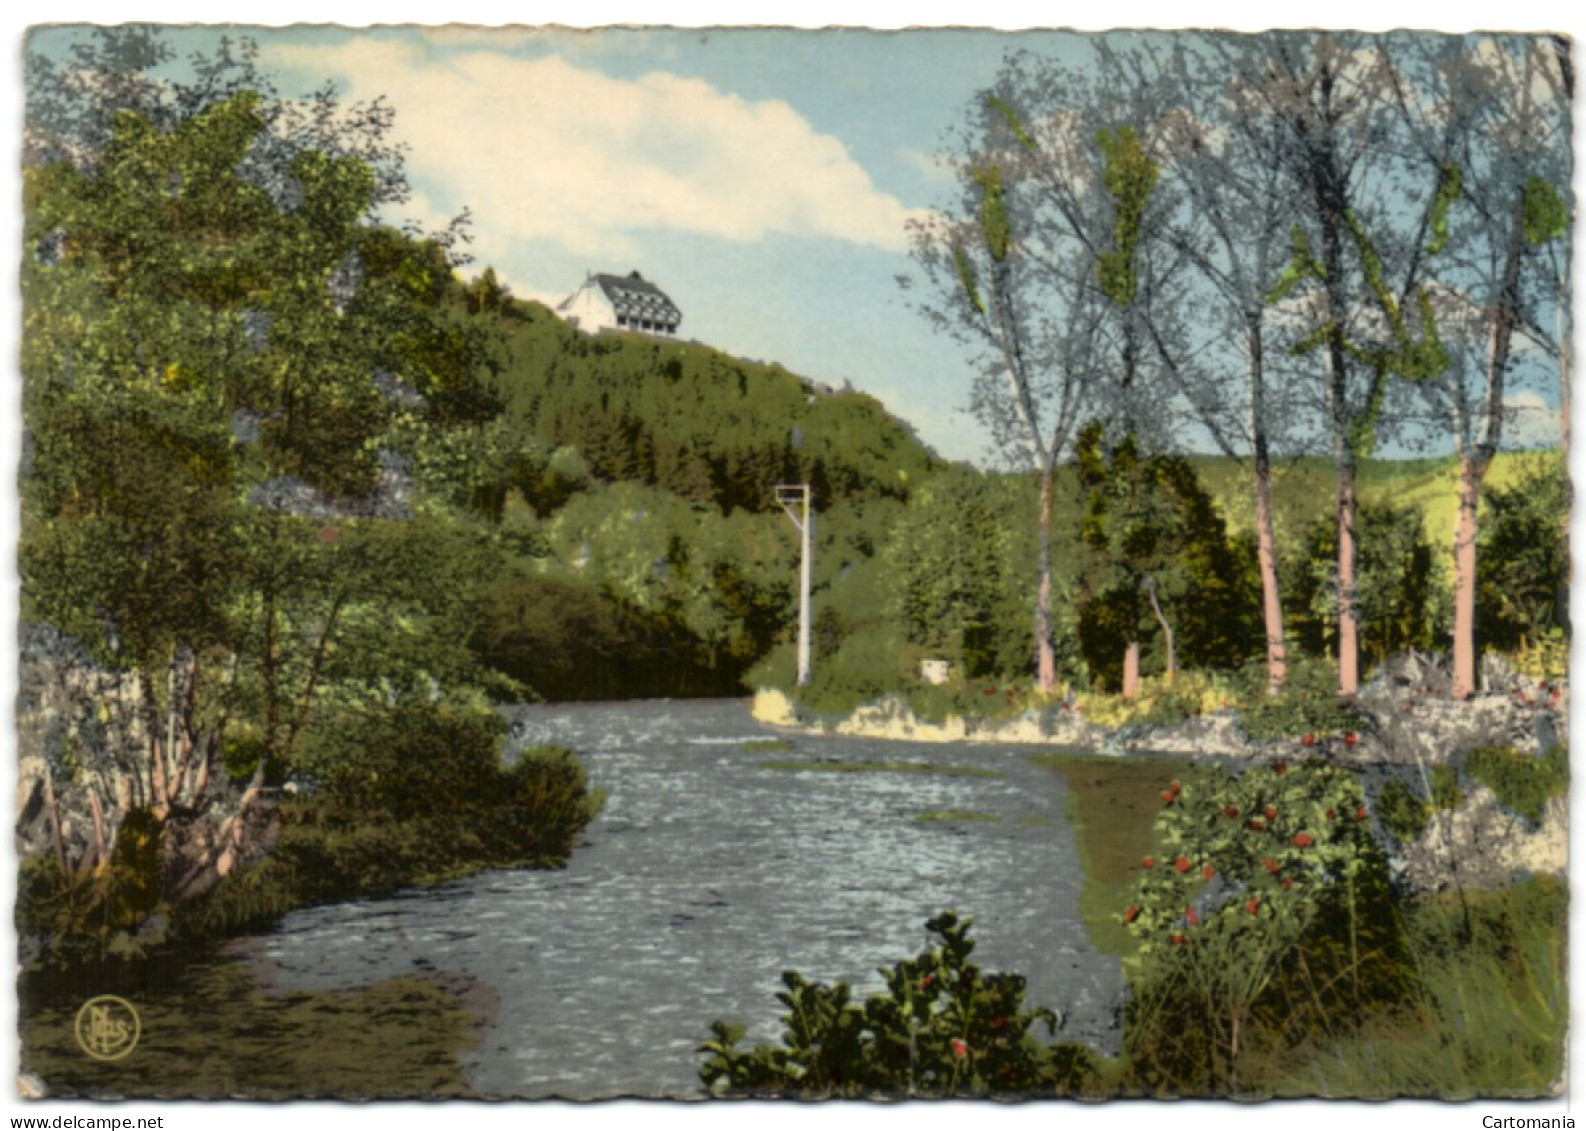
634, 296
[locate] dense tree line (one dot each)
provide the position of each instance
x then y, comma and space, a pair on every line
1363, 226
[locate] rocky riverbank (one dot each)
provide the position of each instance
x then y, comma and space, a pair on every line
1407, 726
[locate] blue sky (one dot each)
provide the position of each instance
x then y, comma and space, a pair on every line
762, 178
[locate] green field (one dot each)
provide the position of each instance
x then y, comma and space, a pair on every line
1304, 490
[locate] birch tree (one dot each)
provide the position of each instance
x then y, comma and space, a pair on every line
1488, 117
1019, 293
1312, 106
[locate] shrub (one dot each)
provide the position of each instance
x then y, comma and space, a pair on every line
1308, 704
1446, 793
942, 1028
1263, 906
413, 797
1520, 782
1402, 812
1400, 594
1522, 564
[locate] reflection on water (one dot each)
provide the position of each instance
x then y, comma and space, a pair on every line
705, 877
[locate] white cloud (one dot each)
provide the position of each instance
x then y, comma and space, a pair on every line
1530, 422
932, 166
542, 149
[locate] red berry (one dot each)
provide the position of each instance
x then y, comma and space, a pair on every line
925, 982
1271, 812
1308, 740
1168, 796
1270, 865
1360, 814
960, 1049
998, 1022
1256, 824
1231, 812
1130, 914
1182, 864
1332, 814
1302, 840
1190, 917
1281, 768
1288, 885
1178, 939
1175, 786
1254, 907
1208, 872
1148, 862
1351, 738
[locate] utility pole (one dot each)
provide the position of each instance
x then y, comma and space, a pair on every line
788, 494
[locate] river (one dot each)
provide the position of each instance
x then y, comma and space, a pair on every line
707, 875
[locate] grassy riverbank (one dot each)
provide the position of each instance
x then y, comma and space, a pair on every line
1112, 810
216, 1033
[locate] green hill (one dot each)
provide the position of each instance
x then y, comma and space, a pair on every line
697, 422
1304, 489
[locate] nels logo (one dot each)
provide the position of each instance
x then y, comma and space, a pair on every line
107, 1027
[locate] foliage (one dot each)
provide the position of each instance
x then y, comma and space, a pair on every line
692, 421
1264, 893
1522, 559
380, 801
942, 1028
1148, 525
956, 582
1521, 783
1446, 794
1402, 811
1489, 1019
1308, 704
865, 666
1400, 593
1128, 177
1191, 694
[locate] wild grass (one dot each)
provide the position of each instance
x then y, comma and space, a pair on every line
1112, 806
1490, 1018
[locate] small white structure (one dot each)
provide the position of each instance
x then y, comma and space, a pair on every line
620, 302
935, 671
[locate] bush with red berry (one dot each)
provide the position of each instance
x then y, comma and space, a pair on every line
1265, 863
942, 1028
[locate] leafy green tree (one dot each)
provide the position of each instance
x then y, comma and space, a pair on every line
1399, 592
1157, 555
205, 425
954, 575
1524, 561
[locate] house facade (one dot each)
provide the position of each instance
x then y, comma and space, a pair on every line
620, 302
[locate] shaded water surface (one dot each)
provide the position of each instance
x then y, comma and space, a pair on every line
708, 874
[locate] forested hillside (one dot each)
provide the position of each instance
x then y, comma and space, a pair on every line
636, 478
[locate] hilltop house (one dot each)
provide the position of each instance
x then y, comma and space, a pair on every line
620, 302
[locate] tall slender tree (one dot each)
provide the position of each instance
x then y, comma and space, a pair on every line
1487, 119
1016, 288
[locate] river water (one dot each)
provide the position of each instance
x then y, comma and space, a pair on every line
707, 875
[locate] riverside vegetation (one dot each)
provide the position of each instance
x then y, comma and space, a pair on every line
1268, 949
301, 504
